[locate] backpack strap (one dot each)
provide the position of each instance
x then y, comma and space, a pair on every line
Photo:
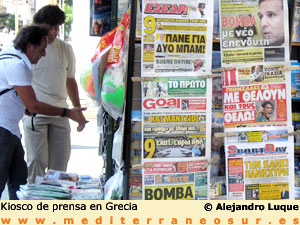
5, 90
8, 56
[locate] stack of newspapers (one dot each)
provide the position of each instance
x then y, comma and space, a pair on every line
88, 188
61, 185
43, 192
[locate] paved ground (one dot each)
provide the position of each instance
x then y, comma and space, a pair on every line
84, 155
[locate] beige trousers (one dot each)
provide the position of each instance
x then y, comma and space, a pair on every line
47, 143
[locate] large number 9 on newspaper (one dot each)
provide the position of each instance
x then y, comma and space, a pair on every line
150, 24
149, 146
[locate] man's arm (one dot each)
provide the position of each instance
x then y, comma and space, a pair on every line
27, 95
259, 112
252, 77
72, 90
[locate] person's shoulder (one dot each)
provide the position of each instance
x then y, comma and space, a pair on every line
260, 119
16, 55
10, 50
62, 44
64, 47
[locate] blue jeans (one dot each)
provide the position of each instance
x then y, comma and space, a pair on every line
13, 168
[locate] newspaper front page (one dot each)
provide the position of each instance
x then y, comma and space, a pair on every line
254, 31
259, 151
176, 102
177, 37
260, 164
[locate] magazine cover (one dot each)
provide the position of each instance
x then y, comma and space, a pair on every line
296, 22
216, 30
100, 16
295, 80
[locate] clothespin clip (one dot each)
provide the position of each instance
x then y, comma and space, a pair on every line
139, 79
222, 69
212, 160
219, 135
290, 134
141, 166
213, 75
222, 135
288, 68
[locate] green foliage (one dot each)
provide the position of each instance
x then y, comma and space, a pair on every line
69, 13
68, 9
8, 21
4, 21
69, 2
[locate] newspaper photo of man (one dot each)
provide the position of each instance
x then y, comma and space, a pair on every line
265, 112
198, 63
201, 7
271, 18
257, 74
284, 193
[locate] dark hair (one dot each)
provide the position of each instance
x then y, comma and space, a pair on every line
51, 15
201, 5
260, 1
267, 103
32, 34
